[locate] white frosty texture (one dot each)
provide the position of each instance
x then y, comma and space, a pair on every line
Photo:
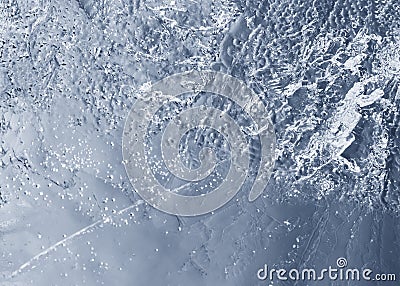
328, 72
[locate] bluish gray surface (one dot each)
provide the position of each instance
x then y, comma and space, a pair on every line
328, 72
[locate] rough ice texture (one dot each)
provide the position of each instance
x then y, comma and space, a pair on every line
328, 72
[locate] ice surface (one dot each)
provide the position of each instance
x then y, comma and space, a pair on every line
328, 72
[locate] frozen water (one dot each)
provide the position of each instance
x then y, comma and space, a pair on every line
328, 72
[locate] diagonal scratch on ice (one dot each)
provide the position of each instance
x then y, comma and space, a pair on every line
82, 231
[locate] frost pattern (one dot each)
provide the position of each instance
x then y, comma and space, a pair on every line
328, 72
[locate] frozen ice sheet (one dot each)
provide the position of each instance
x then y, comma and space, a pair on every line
328, 72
